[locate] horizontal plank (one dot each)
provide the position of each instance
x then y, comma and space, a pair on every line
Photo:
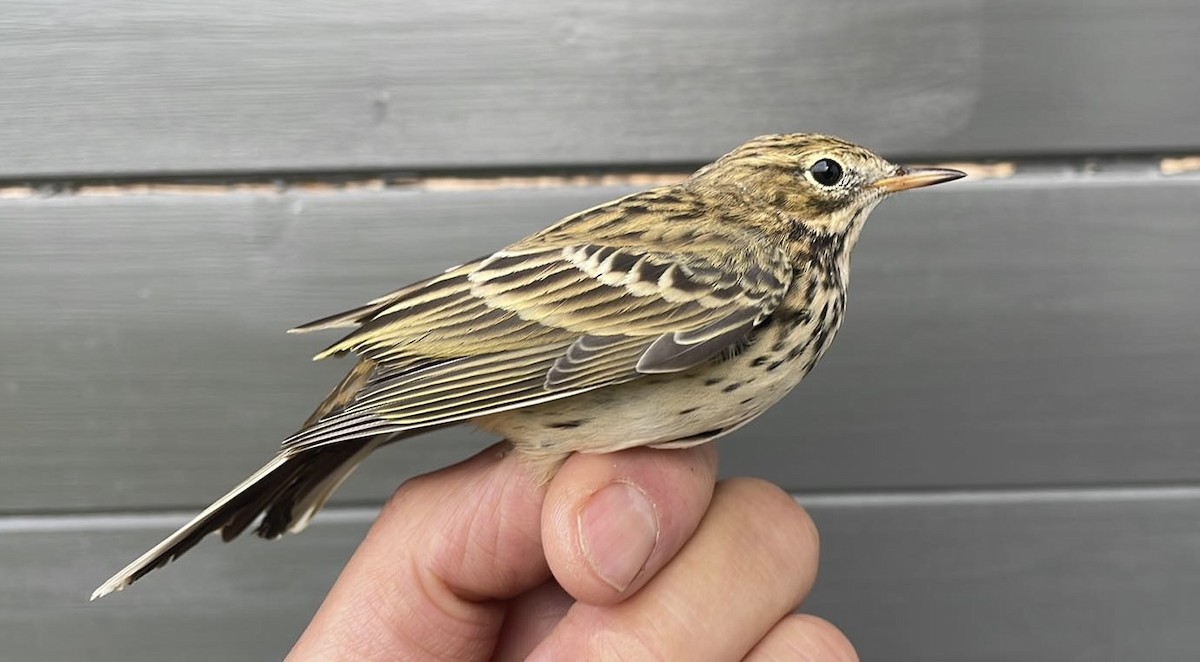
1110, 576
1102, 578
133, 87
999, 333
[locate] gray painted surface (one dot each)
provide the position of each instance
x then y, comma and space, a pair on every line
116, 86
999, 333
1102, 576
1040, 333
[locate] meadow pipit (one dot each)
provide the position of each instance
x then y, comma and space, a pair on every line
666, 318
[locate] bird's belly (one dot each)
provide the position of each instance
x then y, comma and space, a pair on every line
671, 409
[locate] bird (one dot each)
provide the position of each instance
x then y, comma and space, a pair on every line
666, 318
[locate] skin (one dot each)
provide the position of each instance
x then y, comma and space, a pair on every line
477, 562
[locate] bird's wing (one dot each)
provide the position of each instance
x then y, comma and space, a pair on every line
546, 318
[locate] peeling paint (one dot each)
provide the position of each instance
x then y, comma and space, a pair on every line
372, 184
131, 189
547, 181
17, 192
116, 190
999, 170
1179, 165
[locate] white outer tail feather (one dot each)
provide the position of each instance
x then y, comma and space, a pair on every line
124, 578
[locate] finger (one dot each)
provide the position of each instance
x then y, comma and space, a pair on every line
681, 482
530, 618
803, 638
428, 580
750, 563
610, 522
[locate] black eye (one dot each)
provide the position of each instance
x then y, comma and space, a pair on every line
826, 172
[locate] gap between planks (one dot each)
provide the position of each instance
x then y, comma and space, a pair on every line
1055, 169
52, 523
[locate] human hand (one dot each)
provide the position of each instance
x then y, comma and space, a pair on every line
628, 555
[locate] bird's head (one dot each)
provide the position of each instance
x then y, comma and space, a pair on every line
818, 184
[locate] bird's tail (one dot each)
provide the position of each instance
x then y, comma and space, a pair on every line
289, 489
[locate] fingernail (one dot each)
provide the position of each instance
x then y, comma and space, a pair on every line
618, 530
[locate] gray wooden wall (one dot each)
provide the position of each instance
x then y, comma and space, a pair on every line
1001, 449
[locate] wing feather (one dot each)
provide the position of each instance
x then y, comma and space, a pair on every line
547, 318
673, 352
414, 294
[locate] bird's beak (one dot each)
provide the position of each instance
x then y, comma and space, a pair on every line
910, 177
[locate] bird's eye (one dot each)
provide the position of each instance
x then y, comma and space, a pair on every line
826, 172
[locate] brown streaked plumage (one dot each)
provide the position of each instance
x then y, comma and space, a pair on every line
666, 318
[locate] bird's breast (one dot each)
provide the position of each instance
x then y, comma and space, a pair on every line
799, 332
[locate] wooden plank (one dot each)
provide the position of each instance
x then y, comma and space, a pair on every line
1005, 332
1037, 576
130, 87
249, 604
1098, 577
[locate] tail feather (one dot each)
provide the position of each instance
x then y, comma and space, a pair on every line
290, 488
294, 508
264, 496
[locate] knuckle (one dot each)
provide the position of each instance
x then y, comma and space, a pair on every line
783, 521
807, 637
605, 636
786, 545
411, 498
404, 492
625, 645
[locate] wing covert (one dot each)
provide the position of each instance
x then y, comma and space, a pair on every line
549, 317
